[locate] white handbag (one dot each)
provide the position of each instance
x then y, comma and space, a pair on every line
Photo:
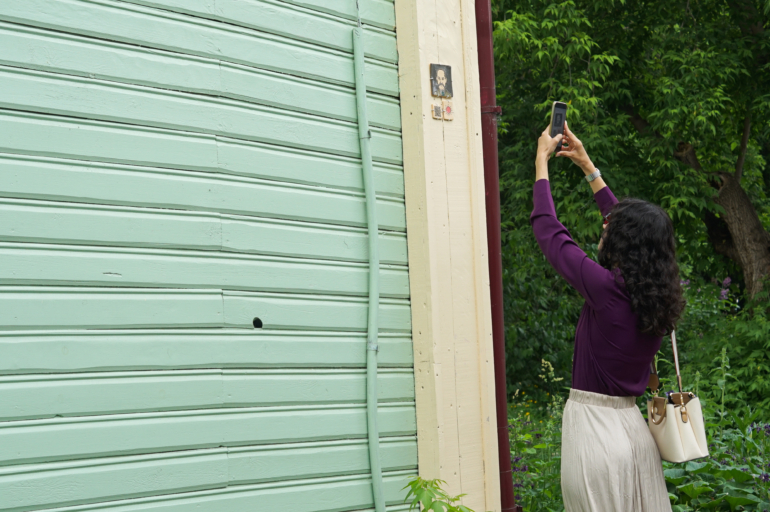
676, 420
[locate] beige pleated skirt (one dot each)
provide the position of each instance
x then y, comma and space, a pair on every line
609, 461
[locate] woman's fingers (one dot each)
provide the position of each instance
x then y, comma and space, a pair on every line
569, 132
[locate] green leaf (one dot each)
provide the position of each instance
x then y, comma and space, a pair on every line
695, 489
697, 467
736, 501
736, 474
675, 476
712, 504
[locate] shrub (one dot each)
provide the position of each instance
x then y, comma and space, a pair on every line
735, 477
432, 497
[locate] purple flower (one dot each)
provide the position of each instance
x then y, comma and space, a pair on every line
726, 282
765, 477
685, 283
518, 485
517, 459
723, 294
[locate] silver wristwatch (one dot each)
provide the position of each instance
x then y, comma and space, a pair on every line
593, 176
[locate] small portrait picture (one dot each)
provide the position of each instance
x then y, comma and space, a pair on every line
441, 80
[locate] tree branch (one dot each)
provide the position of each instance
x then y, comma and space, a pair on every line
685, 153
744, 145
719, 236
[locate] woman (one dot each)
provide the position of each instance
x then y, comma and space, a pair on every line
610, 462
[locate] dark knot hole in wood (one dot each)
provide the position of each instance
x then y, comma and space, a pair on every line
257, 323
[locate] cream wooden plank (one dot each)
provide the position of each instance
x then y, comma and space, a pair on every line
50, 440
48, 93
107, 184
443, 339
467, 254
446, 236
121, 22
283, 20
421, 253
51, 307
23, 352
69, 265
44, 50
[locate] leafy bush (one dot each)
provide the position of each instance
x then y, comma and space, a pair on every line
632, 77
714, 320
432, 497
735, 477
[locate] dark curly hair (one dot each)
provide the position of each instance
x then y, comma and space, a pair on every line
639, 242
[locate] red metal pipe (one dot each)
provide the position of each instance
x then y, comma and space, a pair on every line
489, 113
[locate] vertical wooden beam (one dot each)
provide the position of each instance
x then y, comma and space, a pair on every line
446, 230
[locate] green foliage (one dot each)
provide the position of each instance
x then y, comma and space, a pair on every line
713, 323
642, 79
536, 452
648, 82
432, 497
735, 476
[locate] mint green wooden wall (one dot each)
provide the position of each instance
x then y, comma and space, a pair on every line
169, 170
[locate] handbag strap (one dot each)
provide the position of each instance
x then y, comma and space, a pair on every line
654, 382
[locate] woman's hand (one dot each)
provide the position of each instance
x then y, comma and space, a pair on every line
546, 144
575, 151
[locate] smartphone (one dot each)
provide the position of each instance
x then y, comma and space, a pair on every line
558, 117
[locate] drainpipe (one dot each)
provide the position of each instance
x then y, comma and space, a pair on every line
372, 336
489, 113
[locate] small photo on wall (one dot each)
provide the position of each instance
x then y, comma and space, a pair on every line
441, 80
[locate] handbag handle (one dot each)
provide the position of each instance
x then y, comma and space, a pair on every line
654, 382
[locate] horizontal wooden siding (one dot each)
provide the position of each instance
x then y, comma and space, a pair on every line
173, 173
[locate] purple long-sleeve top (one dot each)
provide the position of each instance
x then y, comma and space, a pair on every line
611, 356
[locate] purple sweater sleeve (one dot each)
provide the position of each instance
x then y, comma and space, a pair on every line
594, 282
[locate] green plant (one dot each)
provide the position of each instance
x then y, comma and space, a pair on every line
432, 497
536, 449
651, 85
735, 475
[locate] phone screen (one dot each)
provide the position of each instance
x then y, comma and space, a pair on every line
558, 117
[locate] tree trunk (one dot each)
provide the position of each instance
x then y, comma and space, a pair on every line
750, 244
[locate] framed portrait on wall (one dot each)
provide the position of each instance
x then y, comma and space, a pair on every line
441, 80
